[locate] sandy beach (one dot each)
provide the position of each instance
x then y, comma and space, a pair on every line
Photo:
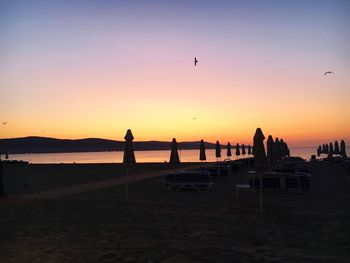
156, 225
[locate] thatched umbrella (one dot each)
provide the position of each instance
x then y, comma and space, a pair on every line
331, 152
243, 150
270, 149
336, 147
217, 151
229, 154
249, 150
343, 149
202, 155
129, 156
238, 152
174, 155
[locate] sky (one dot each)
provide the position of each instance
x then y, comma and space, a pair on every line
82, 69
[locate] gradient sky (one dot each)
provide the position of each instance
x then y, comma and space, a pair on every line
77, 69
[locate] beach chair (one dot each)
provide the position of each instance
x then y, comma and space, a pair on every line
187, 180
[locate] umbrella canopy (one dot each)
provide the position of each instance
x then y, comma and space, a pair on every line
323, 148
331, 152
217, 149
243, 149
270, 149
249, 149
174, 155
229, 150
202, 155
319, 150
336, 147
327, 149
260, 155
342, 149
129, 156
238, 152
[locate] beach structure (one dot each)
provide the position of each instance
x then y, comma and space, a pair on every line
270, 150
228, 153
129, 156
238, 152
217, 150
174, 155
202, 155
343, 149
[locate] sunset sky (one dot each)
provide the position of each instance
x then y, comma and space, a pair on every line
79, 69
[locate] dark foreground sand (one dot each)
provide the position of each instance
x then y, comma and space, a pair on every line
159, 226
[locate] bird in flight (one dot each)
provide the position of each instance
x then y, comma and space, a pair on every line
4, 123
194, 118
328, 72
195, 61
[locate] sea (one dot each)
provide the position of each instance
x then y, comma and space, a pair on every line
141, 156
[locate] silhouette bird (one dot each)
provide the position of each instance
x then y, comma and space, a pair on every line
195, 118
195, 61
328, 72
4, 123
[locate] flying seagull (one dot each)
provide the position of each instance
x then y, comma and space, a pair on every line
195, 118
328, 72
4, 123
195, 61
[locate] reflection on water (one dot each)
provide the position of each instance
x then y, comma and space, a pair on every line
141, 156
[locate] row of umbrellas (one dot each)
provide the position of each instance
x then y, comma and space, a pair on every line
276, 149
330, 150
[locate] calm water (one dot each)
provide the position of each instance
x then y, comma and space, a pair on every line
141, 156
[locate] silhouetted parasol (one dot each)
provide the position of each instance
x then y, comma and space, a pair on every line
243, 150
238, 152
278, 154
229, 154
270, 149
331, 152
217, 150
343, 149
129, 156
249, 150
174, 155
336, 147
202, 155
260, 155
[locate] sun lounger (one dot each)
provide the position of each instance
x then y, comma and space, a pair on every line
187, 180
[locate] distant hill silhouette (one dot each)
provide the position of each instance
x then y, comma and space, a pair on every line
51, 145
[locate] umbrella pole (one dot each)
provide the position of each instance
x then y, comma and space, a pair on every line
260, 192
127, 184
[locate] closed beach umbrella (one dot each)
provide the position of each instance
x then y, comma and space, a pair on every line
249, 149
129, 156
174, 155
336, 147
327, 149
260, 155
277, 149
202, 155
238, 153
319, 150
342, 149
330, 150
323, 148
228, 150
218, 150
243, 150
270, 149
